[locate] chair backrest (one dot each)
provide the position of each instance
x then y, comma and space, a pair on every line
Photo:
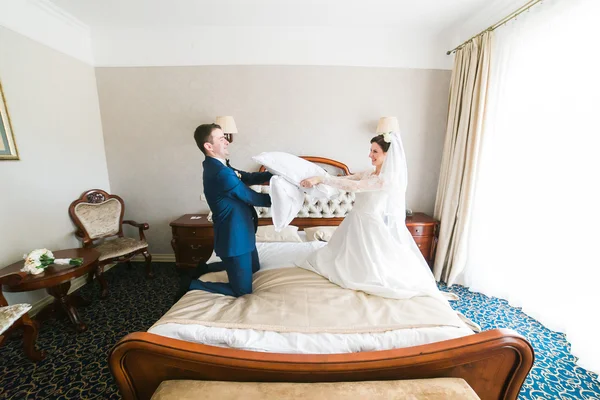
97, 214
9, 278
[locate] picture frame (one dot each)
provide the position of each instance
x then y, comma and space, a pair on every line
8, 146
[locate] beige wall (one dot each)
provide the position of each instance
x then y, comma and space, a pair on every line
53, 103
149, 115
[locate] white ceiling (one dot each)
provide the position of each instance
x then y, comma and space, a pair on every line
372, 33
434, 15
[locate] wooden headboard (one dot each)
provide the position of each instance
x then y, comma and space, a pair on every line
321, 160
302, 223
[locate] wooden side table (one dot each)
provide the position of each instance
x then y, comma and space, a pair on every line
425, 230
193, 239
56, 279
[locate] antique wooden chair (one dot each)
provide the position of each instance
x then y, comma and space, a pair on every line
15, 316
99, 216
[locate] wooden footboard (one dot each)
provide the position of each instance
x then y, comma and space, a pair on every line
494, 363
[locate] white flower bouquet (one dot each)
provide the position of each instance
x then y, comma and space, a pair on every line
37, 260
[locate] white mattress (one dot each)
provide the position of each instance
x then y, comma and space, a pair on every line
284, 255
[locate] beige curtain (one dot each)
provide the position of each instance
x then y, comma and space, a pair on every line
466, 110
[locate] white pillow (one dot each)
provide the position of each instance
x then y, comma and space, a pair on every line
286, 202
214, 258
269, 234
295, 169
321, 233
281, 254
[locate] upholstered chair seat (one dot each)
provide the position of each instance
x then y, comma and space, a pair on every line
10, 314
15, 316
119, 247
99, 220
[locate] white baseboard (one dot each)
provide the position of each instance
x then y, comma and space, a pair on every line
156, 258
75, 284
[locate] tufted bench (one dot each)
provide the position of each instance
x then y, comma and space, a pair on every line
428, 389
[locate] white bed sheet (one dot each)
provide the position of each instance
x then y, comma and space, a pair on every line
284, 255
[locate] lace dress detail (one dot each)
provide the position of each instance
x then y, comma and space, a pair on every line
361, 182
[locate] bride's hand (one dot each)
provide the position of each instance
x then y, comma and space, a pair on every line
310, 182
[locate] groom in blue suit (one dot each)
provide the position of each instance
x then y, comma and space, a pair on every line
234, 217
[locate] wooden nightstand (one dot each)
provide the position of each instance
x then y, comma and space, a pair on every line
192, 240
424, 229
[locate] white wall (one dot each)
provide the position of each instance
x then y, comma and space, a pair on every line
404, 76
53, 104
43, 22
272, 45
149, 116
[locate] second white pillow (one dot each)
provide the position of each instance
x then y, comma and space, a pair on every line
268, 233
320, 233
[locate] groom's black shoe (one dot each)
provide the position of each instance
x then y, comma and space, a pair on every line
186, 277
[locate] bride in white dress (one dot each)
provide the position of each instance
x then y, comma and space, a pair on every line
372, 250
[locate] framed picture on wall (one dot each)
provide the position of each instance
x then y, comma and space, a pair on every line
8, 148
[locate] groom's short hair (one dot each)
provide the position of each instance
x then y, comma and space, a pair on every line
202, 135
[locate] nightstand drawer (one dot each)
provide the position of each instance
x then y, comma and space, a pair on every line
192, 232
192, 251
424, 244
420, 230
196, 244
192, 239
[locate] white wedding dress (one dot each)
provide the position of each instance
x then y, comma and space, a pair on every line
372, 250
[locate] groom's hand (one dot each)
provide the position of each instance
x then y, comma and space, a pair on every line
310, 182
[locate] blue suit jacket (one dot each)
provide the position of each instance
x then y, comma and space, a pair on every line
232, 205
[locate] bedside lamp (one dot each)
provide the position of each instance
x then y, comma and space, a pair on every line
387, 124
228, 125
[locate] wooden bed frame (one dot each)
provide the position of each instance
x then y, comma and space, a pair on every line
494, 363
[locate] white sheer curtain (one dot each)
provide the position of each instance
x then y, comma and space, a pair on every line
536, 226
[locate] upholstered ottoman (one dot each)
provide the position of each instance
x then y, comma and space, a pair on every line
428, 389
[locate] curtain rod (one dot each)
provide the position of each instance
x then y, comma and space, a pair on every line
504, 20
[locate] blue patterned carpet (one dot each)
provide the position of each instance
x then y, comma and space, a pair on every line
554, 374
76, 366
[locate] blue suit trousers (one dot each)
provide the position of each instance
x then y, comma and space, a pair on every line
239, 271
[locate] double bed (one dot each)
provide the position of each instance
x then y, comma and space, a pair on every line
327, 319
299, 327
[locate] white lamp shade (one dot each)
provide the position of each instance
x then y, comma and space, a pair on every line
227, 124
387, 124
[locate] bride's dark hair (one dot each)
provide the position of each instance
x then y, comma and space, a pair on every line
385, 146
